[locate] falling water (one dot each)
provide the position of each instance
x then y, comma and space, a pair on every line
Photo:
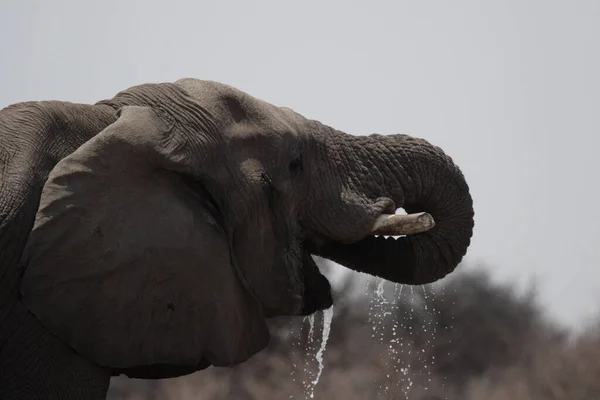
377, 318
422, 314
308, 384
327, 317
396, 343
444, 326
311, 321
399, 355
379, 291
308, 350
431, 328
292, 334
404, 367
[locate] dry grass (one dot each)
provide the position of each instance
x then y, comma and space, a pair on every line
470, 339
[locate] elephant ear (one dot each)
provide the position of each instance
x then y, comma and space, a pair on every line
126, 263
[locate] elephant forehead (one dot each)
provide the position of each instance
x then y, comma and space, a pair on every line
231, 107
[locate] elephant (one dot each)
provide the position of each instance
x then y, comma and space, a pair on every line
155, 233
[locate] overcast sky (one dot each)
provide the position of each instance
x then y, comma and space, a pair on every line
510, 89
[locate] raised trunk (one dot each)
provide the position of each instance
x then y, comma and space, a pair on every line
418, 177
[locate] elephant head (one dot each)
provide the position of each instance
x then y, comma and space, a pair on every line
167, 239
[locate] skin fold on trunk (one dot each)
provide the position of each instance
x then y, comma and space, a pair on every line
420, 178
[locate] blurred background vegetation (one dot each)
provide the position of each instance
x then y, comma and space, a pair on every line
466, 338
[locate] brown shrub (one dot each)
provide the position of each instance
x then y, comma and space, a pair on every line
467, 339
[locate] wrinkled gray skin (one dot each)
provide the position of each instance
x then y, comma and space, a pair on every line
153, 234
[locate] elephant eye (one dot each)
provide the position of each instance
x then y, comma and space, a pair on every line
295, 167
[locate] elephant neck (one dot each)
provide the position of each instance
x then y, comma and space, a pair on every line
36, 135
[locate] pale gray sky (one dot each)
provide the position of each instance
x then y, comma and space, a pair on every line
510, 89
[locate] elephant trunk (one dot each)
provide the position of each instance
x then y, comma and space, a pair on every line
418, 177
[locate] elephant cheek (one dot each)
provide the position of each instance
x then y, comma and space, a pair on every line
273, 279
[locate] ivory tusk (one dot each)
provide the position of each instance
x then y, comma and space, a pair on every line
394, 225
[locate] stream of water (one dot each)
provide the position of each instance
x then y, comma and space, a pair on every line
417, 324
309, 385
327, 317
400, 348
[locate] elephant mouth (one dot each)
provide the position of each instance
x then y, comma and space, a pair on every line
317, 287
